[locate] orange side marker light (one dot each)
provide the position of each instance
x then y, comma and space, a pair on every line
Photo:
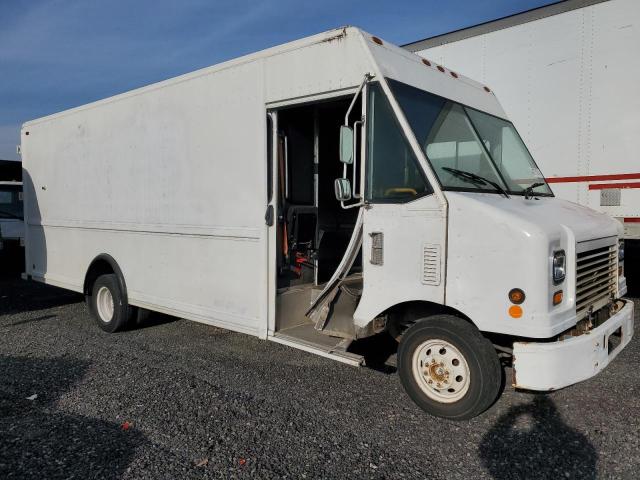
515, 311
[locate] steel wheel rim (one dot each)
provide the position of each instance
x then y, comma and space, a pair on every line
441, 371
104, 304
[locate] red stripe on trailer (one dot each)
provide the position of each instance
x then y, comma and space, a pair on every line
632, 220
591, 178
602, 186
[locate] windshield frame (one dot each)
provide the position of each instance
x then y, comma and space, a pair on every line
377, 86
477, 189
515, 130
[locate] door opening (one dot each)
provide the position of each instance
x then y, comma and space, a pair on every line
313, 230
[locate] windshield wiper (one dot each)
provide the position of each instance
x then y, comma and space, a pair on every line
474, 178
10, 215
528, 192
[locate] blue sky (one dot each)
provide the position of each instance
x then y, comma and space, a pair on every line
57, 54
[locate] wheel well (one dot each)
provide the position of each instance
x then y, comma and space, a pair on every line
103, 264
403, 315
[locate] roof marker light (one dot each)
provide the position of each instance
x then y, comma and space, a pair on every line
441, 68
487, 89
454, 74
377, 40
426, 62
516, 296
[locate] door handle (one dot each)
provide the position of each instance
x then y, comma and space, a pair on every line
268, 216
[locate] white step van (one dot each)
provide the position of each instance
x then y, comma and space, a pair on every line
324, 191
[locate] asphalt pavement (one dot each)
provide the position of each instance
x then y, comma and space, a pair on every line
176, 399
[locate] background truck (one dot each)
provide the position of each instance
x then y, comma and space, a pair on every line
567, 75
325, 191
11, 218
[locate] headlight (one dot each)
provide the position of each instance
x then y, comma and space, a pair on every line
559, 269
621, 251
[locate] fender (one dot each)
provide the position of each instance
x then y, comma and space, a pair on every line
104, 257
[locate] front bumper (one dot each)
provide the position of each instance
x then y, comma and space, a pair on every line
554, 365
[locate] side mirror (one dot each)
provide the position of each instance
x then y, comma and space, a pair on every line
346, 144
342, 187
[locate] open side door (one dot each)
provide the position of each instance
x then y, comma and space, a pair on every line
320, 308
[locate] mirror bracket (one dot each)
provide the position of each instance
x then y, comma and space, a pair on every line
342, 188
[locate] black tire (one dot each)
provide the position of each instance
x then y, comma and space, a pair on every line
485, 373
122, 312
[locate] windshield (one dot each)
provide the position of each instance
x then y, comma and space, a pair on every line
11, 202
469, 150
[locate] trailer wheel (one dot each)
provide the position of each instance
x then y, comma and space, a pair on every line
107, 306
448, 368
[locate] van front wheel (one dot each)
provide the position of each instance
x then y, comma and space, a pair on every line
448, 368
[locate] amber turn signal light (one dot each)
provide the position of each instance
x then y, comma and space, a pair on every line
515, 311
516, 296
557, 297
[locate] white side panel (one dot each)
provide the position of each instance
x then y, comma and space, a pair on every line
168, 185
156, 159
339, 64
177, 274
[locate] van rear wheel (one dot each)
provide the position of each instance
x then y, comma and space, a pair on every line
107, 307
448, 368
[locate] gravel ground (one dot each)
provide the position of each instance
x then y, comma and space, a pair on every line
176, 399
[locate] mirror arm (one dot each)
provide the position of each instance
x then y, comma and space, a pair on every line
367, 77
355, 158
353, 205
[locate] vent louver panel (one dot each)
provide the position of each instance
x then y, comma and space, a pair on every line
377, 248
610, 197
431, 264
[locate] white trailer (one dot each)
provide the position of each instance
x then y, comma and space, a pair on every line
210, 196
567, 75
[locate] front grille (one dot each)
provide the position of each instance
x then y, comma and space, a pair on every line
596, 278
